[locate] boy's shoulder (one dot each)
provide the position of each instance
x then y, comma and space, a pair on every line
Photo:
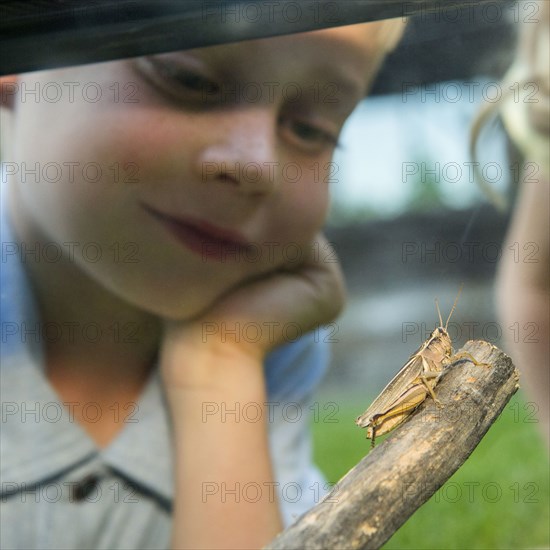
295, 369
18, 307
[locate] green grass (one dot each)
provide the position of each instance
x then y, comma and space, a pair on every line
499, 498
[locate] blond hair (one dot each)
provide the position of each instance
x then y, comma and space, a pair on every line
531, 66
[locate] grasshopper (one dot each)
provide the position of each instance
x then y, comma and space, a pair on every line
412, 384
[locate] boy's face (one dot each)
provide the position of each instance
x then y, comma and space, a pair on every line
242, 163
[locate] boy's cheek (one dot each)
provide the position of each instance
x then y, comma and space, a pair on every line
305, 212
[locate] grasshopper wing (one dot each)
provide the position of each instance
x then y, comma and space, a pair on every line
396, 387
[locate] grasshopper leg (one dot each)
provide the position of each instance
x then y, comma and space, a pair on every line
424, 378
430, 390
465, 356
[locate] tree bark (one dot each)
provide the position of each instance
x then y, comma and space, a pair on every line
377, 496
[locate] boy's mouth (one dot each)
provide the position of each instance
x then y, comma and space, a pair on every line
201, 237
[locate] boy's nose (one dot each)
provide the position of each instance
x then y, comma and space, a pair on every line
241, 150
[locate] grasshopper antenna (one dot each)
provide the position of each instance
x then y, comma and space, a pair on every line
454, 305
438, 312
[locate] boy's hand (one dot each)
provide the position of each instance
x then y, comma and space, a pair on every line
253, 318
216, 361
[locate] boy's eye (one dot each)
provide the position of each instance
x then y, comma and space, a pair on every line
312, 136
177, 81
195, 82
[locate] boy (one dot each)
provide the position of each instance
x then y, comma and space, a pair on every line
169, 249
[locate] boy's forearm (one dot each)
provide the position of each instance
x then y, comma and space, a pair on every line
224, 486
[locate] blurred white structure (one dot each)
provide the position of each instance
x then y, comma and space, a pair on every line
387, 138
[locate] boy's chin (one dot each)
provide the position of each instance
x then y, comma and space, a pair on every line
185, 305
187, 309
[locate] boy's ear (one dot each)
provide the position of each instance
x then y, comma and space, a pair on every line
9, 86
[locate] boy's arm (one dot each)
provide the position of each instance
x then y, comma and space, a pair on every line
221, 460
214, 453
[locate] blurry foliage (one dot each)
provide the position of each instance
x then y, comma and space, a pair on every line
342, 215
426, 194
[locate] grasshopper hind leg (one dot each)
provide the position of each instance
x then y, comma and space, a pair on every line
465, 356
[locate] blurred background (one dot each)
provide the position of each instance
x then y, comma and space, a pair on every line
410, 223
409, 220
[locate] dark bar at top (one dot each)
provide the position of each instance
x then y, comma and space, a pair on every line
45, 34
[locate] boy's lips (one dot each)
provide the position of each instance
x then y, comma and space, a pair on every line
202, 237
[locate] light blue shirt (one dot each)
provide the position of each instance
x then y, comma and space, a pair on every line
60, 490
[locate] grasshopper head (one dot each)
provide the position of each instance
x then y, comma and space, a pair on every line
441, 336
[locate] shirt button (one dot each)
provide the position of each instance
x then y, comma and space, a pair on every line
84, 488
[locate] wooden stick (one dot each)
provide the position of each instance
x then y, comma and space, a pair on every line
377, 496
